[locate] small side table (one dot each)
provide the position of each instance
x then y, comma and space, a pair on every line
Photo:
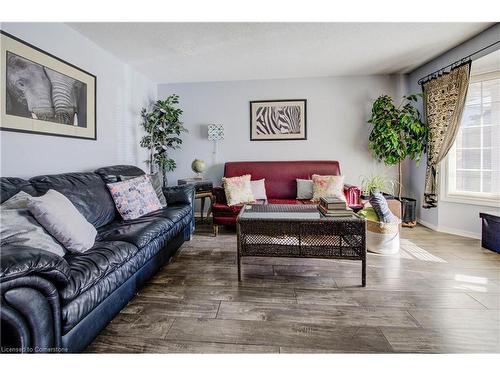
203, 190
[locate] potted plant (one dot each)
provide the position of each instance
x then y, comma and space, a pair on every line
381, 183
398, 132
163, 129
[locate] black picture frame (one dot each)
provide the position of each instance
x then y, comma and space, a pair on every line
6, 125
302, 103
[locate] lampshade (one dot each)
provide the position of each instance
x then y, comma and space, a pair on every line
215, 132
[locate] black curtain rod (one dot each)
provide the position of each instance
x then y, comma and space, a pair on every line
457, 63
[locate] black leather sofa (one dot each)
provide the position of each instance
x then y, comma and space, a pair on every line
59, 304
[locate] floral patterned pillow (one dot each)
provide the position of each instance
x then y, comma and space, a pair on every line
327, 186
135, 197
238, 190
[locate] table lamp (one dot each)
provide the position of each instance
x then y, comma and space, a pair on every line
215, 134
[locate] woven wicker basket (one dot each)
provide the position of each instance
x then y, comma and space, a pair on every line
382, 228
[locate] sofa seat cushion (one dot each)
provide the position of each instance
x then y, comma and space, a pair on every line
95, 264
224, 209
175, 212
73, 311
19, 261
139, 231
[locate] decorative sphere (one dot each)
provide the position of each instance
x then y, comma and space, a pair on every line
198, 166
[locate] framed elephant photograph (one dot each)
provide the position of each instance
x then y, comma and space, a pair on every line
43, 94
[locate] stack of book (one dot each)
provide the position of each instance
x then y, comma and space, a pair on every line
334, 207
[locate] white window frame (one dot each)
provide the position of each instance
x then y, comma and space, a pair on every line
446, 179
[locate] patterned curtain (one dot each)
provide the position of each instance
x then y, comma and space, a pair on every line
444, 103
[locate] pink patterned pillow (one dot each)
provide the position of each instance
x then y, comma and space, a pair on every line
135, 197
238, 190
327, 186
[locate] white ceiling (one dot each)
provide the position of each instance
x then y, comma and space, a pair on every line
192, 52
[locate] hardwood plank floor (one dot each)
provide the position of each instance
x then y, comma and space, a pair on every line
418, 340
121, 344
440, 294
317, 314
380, 298
337, 338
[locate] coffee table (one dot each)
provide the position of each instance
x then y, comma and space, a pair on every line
299, 231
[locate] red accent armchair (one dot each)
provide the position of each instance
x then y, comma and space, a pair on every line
281, 185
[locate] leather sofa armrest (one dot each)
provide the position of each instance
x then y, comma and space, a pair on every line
30, 316
219, 195
183, 194
353, 195
179, 194
21, 261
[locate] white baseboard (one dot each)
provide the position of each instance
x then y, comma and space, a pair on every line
428, 225
457, 232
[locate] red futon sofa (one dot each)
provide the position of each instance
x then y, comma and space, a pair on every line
281, 185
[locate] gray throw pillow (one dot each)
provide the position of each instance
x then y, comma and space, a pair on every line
18, 201
19, 228
157, 186
304, 189
379, 204
62, 220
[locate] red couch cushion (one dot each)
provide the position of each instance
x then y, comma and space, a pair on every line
224, 209
281, 175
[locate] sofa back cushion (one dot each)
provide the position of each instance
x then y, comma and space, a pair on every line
112, 173
87, 191
10, 186
281, 175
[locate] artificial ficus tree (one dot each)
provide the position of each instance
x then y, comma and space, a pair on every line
163, 129
398, 132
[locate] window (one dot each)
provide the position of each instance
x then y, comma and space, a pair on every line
473, 164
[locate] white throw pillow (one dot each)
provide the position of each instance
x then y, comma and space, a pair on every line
19, 228
17, 201
61, 219
259, 189
304, 189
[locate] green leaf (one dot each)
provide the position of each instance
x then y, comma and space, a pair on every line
397, 132
160, 122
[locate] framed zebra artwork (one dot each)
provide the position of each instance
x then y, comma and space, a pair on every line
278, 120
43, 93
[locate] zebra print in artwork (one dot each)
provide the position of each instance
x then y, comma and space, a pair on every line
278, 120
